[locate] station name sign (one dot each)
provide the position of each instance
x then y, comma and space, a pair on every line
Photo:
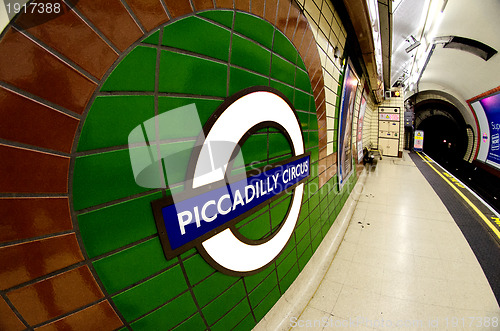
206, 211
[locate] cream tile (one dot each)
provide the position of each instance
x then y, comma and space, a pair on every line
355, 303
472, 296
311, 319
326, 296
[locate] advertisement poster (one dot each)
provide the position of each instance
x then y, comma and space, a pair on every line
344, 153
359, 137
491, 106
418, 144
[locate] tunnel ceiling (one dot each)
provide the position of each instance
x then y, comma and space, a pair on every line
461, 73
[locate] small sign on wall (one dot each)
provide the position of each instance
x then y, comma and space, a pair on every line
418, 144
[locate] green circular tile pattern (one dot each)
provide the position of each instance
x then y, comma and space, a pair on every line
170, 68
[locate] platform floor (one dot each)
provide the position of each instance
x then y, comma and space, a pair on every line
402, 264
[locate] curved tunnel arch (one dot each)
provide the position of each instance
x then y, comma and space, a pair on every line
445, 129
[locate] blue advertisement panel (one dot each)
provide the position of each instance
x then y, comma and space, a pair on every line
344, 153
491, 106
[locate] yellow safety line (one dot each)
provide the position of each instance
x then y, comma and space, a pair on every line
484, 218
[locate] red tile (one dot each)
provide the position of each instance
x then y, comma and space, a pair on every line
224, 3
24, 262
243, 5
302, 26
178, 7
27, 171
322, 152
293, 17
79, 43
322, 140
258, 7
323, 179
307, 40
281, 19
122, 30
97, 317
9, 321
331, 159
55, 296
41, 73
332, 171
270, 13
24, 218
30, 122
322, 165
203, 4
319, 99
149, 12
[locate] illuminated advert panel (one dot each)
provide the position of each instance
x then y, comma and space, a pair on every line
487, 111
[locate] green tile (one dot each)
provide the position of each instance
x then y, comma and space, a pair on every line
285, 89
197, 269
288, 262
303, 242
262, 290
248, 323
167, 316
153, 39
261, 310
240, 79
252, 281
249, 55
312, 105
258, 227
194, 323
289, 278
254, 28
279, 211
215, 41
284, 47
136, 72
312, 140
131, 265
282, 70
313, 122
289, 249
303, 119
302, 81
204, 107
224, 17
305, 257
300, 63
176, 157
151, 294
301, 101
278, 145
233, 317
182, 73
121, 113
109, 228
102, 178
255, 148
226, 301
316, 241
212, 287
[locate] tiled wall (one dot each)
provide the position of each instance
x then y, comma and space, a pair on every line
78, 245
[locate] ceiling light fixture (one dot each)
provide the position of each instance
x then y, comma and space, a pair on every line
415, 44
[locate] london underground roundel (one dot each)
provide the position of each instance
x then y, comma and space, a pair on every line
205, 214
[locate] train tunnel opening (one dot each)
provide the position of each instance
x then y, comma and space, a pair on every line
445, 141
